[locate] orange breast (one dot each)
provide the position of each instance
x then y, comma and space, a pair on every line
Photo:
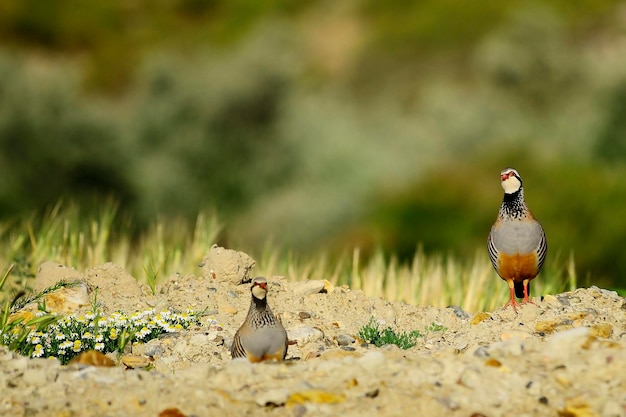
517, 267
278, 356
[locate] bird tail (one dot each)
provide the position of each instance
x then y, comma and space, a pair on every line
519, 289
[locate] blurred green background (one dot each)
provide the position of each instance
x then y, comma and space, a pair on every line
323, 125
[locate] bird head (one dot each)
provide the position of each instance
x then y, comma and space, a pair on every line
511, 181
259, 288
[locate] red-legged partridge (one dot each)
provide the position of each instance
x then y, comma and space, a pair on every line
261, 337
517, 243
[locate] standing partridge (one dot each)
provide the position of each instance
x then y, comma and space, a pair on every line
261, 336
517, 243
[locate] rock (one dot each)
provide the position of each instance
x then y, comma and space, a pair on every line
50, 273
135, 362
116, 288
306, 288
601, 330
372, 360
304, 335
459, 312
67, 299
345, 340
470, 377
91, 358
227, 265
153, 348
274, 397
572, 336
171, 412
328, 286
480, 317
577, 407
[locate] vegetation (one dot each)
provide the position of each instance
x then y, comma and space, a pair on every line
314, 126
50, 335
68, 236
372, 333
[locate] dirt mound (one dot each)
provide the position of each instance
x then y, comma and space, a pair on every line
563, 355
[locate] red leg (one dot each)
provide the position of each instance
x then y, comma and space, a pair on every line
512, 301
526, 300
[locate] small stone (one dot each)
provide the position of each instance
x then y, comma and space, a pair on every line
345, 340
229, 309
135, 362
348, 348
448, 402
562, 379
372, 360
372, 393
604, 330
470, 377
201, 339
461, 345
571, 337
514, 334
550, 299
459, 312
493, 362
303, 335
306, 288
315, 396
304, 315
226, 265
547, 327
92, 358
153, 348
480, 317
481, 352
171, 412
577, 407
272, 397
563, 300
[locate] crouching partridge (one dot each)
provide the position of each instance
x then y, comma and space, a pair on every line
261, 337
517, 243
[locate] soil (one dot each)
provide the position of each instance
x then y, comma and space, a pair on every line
564, 355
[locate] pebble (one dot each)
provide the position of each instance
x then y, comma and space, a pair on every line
304, 335
481, 352
480, 317
461, 345
345, 340
274, 397
470, 377
459, 312
153, 348
134, 362
372, 360
563, 300
306, 288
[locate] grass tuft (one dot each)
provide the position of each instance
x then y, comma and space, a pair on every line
372, 333
69, 236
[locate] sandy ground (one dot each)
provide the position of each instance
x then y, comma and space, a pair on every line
563, 356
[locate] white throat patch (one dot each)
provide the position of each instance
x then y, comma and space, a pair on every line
511, 185
259, 292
